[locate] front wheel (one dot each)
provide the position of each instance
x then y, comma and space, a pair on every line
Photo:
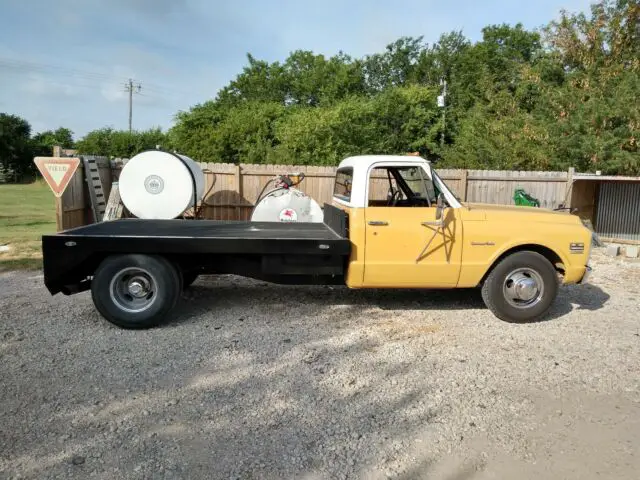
135, 291
521, 288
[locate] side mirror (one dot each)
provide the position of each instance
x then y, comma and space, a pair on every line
440, 206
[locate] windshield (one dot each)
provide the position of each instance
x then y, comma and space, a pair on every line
438, 182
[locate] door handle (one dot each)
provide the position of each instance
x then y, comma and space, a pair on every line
378, 223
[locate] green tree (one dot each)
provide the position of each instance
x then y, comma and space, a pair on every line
246, 134
259, 81
312, 80
594, 114
500, 136
16, 155
610, 36
564, 96
120, 143
44, 142
397, 121
397, 66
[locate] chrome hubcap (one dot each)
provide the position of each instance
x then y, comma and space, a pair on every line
133, 289
139, 287
523, 288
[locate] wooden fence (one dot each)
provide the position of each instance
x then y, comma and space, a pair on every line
231, 190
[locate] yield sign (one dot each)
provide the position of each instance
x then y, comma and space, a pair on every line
57, 171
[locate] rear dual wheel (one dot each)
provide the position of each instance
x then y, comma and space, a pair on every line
136, 291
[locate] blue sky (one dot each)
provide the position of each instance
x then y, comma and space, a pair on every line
64, 62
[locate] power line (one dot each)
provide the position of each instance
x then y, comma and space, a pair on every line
28, 67
131, 88
24, 67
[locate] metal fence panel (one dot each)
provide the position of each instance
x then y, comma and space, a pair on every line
618, 214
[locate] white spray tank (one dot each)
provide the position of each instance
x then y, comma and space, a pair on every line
160, 185
283, 203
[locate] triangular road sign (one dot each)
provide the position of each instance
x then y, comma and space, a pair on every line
57, 171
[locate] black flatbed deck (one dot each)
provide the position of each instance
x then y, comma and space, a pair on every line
206, 229
277, 250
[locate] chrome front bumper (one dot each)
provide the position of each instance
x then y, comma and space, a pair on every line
585, 277
588, 269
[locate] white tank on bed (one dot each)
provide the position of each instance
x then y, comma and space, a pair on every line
160, 185
287, 205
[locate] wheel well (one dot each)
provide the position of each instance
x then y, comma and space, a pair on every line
547, 253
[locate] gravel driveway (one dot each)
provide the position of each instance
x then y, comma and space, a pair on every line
252, 380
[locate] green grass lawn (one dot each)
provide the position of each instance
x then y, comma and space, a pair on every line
26, 213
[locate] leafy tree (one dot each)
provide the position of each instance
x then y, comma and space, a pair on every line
397, 121
15, 146
597, 119
312, 80
194, 130
512, 139
259, 81
246, 134
44, 142
610, 37
562, 96
397, 66
120, 143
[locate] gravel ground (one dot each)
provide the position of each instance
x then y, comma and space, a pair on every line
252, 380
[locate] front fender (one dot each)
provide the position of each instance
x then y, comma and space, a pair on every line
476, 262
532, 244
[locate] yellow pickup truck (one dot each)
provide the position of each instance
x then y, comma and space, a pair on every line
392, 223
408, 229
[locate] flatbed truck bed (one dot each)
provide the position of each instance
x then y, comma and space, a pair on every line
278, 252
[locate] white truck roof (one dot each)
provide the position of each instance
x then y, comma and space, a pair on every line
361, 161
362, 164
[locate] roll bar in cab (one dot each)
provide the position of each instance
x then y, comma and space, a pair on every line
393, 223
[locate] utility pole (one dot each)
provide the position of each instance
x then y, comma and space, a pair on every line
442, 103
131, 88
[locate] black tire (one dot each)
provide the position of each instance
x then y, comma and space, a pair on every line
188, 278
111, 293
496, 287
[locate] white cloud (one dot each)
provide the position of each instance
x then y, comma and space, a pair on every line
113, 92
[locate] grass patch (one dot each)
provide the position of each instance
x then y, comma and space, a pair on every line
26, 213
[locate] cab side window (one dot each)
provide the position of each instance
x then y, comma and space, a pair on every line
382, 184
421, 186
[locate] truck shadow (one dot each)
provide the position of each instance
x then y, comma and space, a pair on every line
577, 297
233, 292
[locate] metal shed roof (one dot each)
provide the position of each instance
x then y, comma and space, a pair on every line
606, 178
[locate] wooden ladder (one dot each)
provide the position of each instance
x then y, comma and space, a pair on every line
96, 190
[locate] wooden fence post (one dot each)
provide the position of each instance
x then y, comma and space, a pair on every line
569, 189
464, 176
238, 177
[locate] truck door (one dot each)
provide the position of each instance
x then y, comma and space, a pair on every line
406, 246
